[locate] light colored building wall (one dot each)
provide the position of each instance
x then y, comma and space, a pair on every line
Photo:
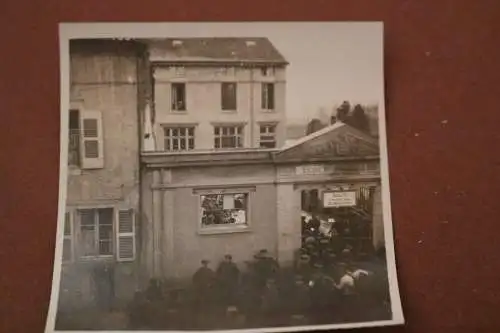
203, 102
104, 82
107, 83
183, 245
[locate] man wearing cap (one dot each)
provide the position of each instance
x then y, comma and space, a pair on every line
203, 281
228, 276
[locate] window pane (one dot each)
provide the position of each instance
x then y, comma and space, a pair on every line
87, 218
191, 144
224, 209
87, 242
175, 145
67, 224
175, 132
217, 142
67, 249
224, 130
167, 144
231, 130
74, 119
240, 130
183, 144
105, 248
105, 216
216, 130
271, 129
263, 129
191, 131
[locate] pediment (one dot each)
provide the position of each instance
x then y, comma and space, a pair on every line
338, 140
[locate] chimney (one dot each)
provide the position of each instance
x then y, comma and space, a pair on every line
333, 120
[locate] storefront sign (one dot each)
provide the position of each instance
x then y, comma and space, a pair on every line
339, 199
317, 169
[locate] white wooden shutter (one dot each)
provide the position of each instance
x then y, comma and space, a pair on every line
92, 149
67, 254
125, 235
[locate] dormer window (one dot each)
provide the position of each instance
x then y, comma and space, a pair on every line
267, 71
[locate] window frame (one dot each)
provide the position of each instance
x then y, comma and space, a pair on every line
233, 106
236, 135
82, 257
187, 137
267, 133
265, 100
182, 109
225, 229
68, 217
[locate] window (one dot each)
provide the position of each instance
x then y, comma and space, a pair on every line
267, 136
267, 96
267, 71
224, 209
85, 146
228, 96
228, 137
74, 138
102, 234
179, 138
178, 96
96, 232
67, 254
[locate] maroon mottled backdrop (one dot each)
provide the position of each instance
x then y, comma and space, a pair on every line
443, 96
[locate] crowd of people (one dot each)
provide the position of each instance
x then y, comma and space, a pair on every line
325, 285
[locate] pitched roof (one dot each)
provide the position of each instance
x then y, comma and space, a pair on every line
218, 49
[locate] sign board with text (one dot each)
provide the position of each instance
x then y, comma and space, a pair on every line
314, 169
333, 199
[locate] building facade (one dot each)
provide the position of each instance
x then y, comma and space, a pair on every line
102, 204
208, 204
176, 154
218, 93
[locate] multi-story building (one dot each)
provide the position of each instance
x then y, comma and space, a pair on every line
218, 93
102, 201
176, 155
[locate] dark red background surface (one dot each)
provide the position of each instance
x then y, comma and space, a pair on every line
442, 64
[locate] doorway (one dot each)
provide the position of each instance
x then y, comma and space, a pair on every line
344, 218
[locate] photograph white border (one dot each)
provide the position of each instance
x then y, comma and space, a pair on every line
68, 31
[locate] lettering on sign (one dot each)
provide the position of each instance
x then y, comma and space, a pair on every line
310, 170
339, 199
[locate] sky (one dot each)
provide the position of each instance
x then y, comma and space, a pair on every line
329, 62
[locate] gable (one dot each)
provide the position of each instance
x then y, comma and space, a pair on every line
338, 140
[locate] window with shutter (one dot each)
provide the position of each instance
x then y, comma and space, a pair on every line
92, 140
67, 254
125, 235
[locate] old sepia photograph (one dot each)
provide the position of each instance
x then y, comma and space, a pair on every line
223, 176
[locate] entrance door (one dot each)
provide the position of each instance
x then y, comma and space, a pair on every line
351, 223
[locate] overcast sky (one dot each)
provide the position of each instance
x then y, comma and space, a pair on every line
329, 62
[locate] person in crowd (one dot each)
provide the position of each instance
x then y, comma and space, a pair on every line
270, 303
299, 300
228, 276
203, 282
348, 294
266, 267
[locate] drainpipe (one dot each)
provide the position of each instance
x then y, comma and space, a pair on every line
251, 108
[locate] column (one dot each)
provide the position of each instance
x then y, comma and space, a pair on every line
378, 219
167, 239
157, 225
288, 222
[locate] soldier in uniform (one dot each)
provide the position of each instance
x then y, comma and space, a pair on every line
203, 281
228, 276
